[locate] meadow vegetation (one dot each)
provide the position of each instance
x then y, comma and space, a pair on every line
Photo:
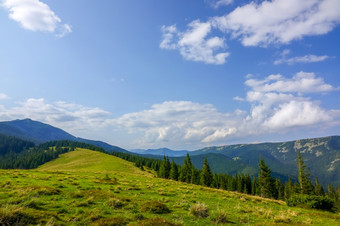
89, 187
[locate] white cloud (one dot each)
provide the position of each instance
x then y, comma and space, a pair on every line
254, 24
310, 58
194, 44
218, 3
278, 102
277, 105
35, 15
176, 122
3, 96
72, 117
279, 21
301, 82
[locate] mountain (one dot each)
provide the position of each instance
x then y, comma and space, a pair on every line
39, 132
161, 152
84, 187
321, 155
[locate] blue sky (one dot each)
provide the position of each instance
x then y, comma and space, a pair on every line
177, 74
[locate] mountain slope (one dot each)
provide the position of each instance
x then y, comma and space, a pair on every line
88, 160
39, 132
321, 155
85, 187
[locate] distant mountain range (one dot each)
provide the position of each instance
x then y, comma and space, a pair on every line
321, 155
160, 151
39, 132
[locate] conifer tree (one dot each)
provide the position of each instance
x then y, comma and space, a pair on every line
318, 189
280, 189
174, 171
164, 169
206, 175
289, 189
331, 192
253, 186
306, 186
266, 181
186, 170
167, 167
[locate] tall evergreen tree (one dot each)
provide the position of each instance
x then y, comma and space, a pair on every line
289, 189
318, 189
280, 189
306, 186
186, 170
174, 171
331, 192
266, 181
206, 175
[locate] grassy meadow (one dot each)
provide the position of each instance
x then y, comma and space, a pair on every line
85, 187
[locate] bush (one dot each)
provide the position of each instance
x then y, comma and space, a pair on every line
155, 207
199, 210
311, 201
221, 217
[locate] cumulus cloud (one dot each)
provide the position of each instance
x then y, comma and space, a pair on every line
195, 44
277, 105
302, 82
35, 15
254, 24
278, 102
280, 21
180, 122
72, 117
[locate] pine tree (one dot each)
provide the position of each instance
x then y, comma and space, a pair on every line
331, 192
318, 189
306, 186
280, 189
206, 175
167, 167
289, 189
266, 181
186, 170
174, 171
253, 186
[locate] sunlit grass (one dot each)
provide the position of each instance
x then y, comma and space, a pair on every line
87, 187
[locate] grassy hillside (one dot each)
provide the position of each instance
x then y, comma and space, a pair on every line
82, 160
87, 187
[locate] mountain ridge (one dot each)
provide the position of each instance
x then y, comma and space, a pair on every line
38, 132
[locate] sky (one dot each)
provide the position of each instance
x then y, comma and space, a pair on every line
177, 74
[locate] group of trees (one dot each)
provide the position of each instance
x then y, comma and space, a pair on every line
265, 185
13, 145
35, 156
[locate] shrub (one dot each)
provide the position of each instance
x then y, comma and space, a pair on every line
155, 207
199, 210
221, 217
311, 201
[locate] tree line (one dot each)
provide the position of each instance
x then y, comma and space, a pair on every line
32, 157
264, 185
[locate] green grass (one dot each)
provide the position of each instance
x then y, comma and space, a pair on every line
87, 187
